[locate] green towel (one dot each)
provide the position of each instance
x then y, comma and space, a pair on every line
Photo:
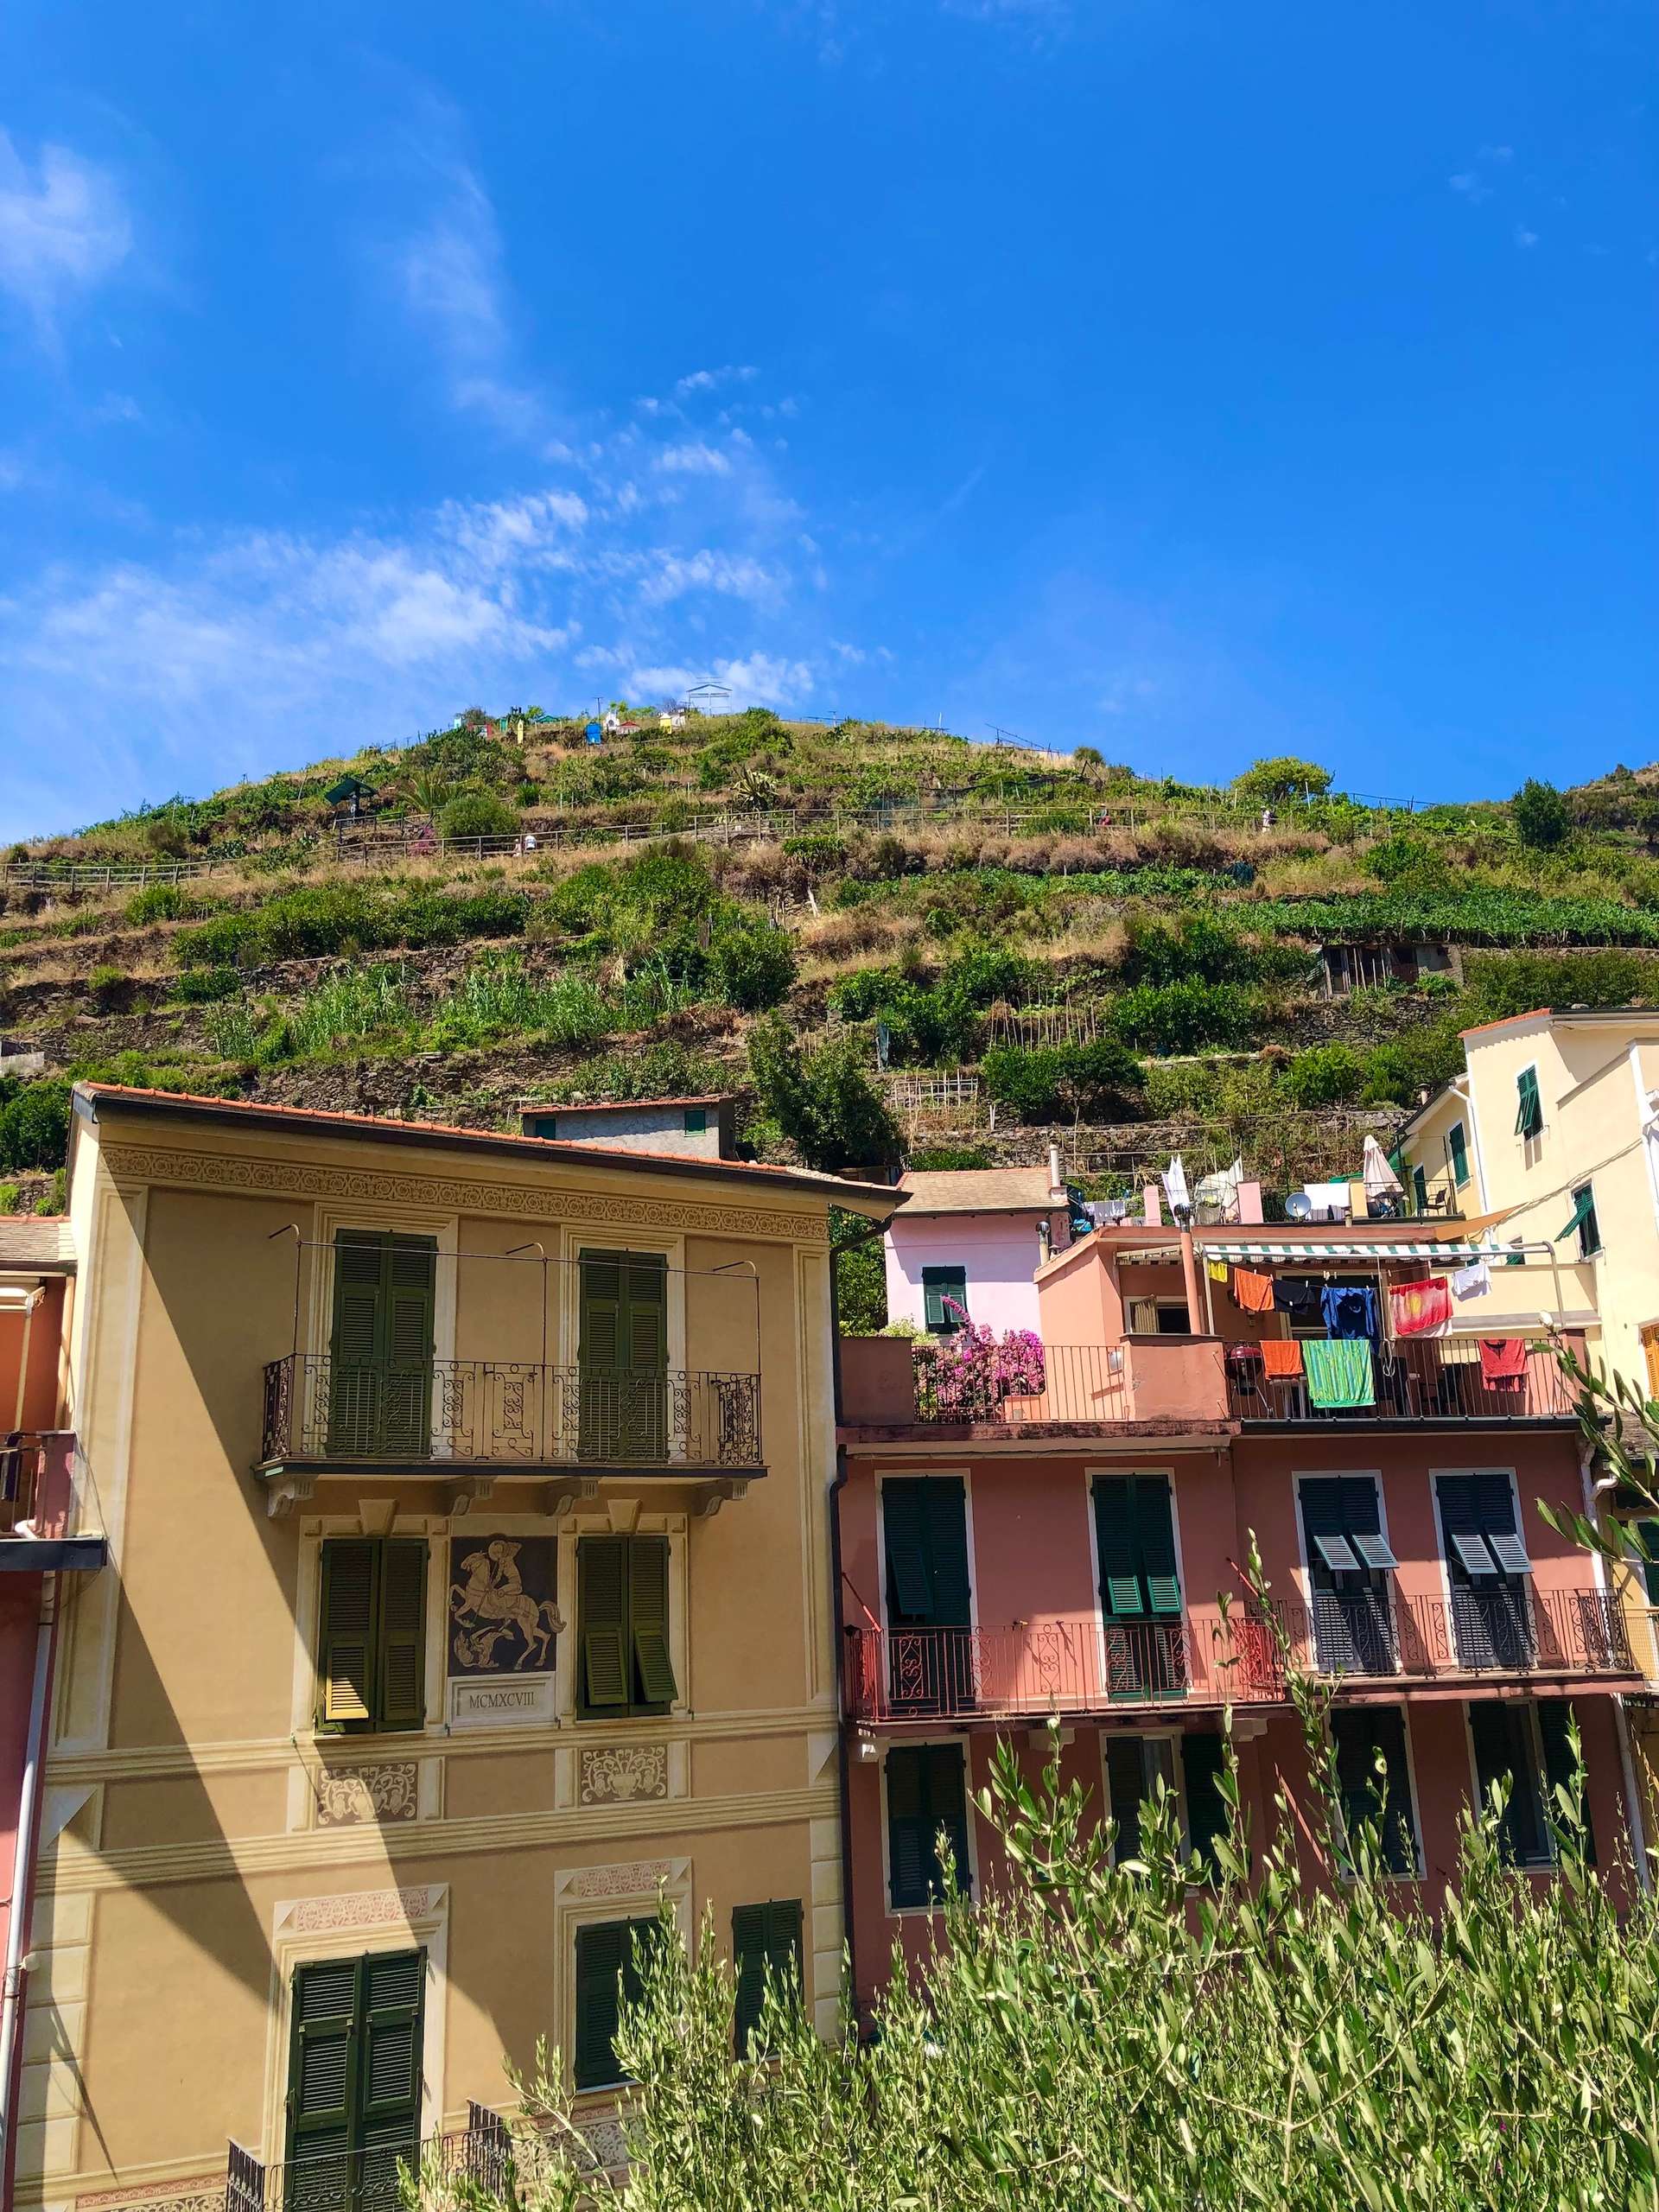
1339, 1372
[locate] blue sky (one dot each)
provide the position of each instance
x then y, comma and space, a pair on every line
1190, 380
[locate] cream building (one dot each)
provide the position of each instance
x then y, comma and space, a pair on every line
467, 1506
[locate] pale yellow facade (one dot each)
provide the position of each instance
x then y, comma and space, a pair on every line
203, 1837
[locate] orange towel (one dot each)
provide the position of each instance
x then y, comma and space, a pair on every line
1281, 1356
1252, 1292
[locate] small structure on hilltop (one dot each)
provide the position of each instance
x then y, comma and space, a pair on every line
351, 799
1345, 968
702, 1128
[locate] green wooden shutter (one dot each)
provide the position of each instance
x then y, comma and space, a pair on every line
346, 1655
904, 1534
939, 1284
648, 1620
1120, 1557
604, 1952
389, 2073
602, 1623
321, 2066
1529, 1112
402, 1664
1420, 1191
1649, 1533
411, 1307
909, 1843
1503, 1744
1458, 1147
357, 1346
1560, 1767
948, 1798
599, 1341
763, 1935
623, 1353
1202, 1765
1126, 1788
645, 1301
1155, 1525
1361, 1734
945, 1500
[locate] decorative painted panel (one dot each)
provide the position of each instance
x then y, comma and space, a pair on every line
348, 1796
624, 1773
503, 1617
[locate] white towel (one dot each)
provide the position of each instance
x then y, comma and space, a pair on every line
1473, 1281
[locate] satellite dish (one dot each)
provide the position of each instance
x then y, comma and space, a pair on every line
1299, 1207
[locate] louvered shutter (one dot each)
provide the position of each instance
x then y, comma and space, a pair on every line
602, 1620
1115, 1536
945, 1506
1154, 1527
321, 2074
646, 1300
1459, 1148
1649, 1531
357, 1344
1503, 1745
938, 1285
910, 1853
347, 1645
1352, 1626
601, 1332
904, 1531
410, 1304
1202, 1762
1529, 1112
1561, 1769
763, 1936
389, 2075
947, 1793
1126, 1788
603, 1953
1362, 1734
402, 1641
648, 1619
1491, 1617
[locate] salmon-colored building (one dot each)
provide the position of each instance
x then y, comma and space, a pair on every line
1019, 1546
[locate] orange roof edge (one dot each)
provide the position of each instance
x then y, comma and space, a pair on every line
1538, 1014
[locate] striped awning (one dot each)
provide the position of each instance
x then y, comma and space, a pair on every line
1333, 1247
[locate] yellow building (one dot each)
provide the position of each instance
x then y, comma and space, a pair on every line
466, 1499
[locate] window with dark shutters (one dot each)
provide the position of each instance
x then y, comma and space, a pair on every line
1363, 1735
622, 1626
944, 1290
1457, 1153
1202, 1762
926, 1792
925, 1534
1135, 1532
1502, 1737
1134, 1766
1488, 1568
1348, 1565
1648, 1532
622, 1356
1528, 1109
371, 1641
765, 1938
354, 2080
605, 1973
1561, 1770
381, 1349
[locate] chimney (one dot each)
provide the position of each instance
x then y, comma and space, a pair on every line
1056, 1180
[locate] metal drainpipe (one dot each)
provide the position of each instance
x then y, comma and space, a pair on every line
22, 1880
1621, 1718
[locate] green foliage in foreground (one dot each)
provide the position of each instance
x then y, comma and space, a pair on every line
1093, 2038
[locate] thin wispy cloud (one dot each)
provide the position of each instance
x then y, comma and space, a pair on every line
63, 228
694, 458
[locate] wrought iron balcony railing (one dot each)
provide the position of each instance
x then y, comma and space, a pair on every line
1434, 1380
1510, 1630
507, 1413
959, 1673
367, 2180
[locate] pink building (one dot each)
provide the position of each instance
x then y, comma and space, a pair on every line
45, 1531
1066, 1551
973, 1237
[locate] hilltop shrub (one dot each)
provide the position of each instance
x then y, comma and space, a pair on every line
1270, 783
754, 966
34, 1126
204, 986
156, 902
1184, 1017
1519, 982
329, 918
477, 814
822, 1101
1327, 1075
1540, 817
1084, 1081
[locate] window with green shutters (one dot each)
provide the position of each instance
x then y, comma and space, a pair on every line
622, 1356
1488, 1568
381, 1344
354, 2081
1135, 1767
1648, 1532
1561, 1770
944, 1290
1420, 1191
1203, 1763
924, 1535
1529, 1108
1361, 1737
622, 1639
1583, 1223
605, 1972
372, 1634
1135, 1531
927, 1792
1457, 1148
1342, 1537
765, 1938
1502, 1739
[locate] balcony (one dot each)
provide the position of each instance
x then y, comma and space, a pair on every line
1512, 1631
1439, 1379
475, 2162
1029, 1671
48, 1515
455, 1418
1158, 1383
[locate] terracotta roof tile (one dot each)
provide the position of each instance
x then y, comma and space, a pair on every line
34, 1240
979, 1190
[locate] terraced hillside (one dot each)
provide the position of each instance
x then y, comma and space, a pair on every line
894, 941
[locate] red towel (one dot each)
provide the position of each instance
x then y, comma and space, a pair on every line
1502, 1361
1282, 1357
1422, 1309
1252, 1292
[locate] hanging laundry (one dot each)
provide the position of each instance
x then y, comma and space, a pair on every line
1349, 1313
1421, 1309
1252, 1292
1298, 1295
1281, 1358
1339, 1372
1502, 1361
1215, 1269
1473, 1281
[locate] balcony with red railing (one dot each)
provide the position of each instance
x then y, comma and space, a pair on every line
1369, 1637
1070, 1669
1434, 1380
